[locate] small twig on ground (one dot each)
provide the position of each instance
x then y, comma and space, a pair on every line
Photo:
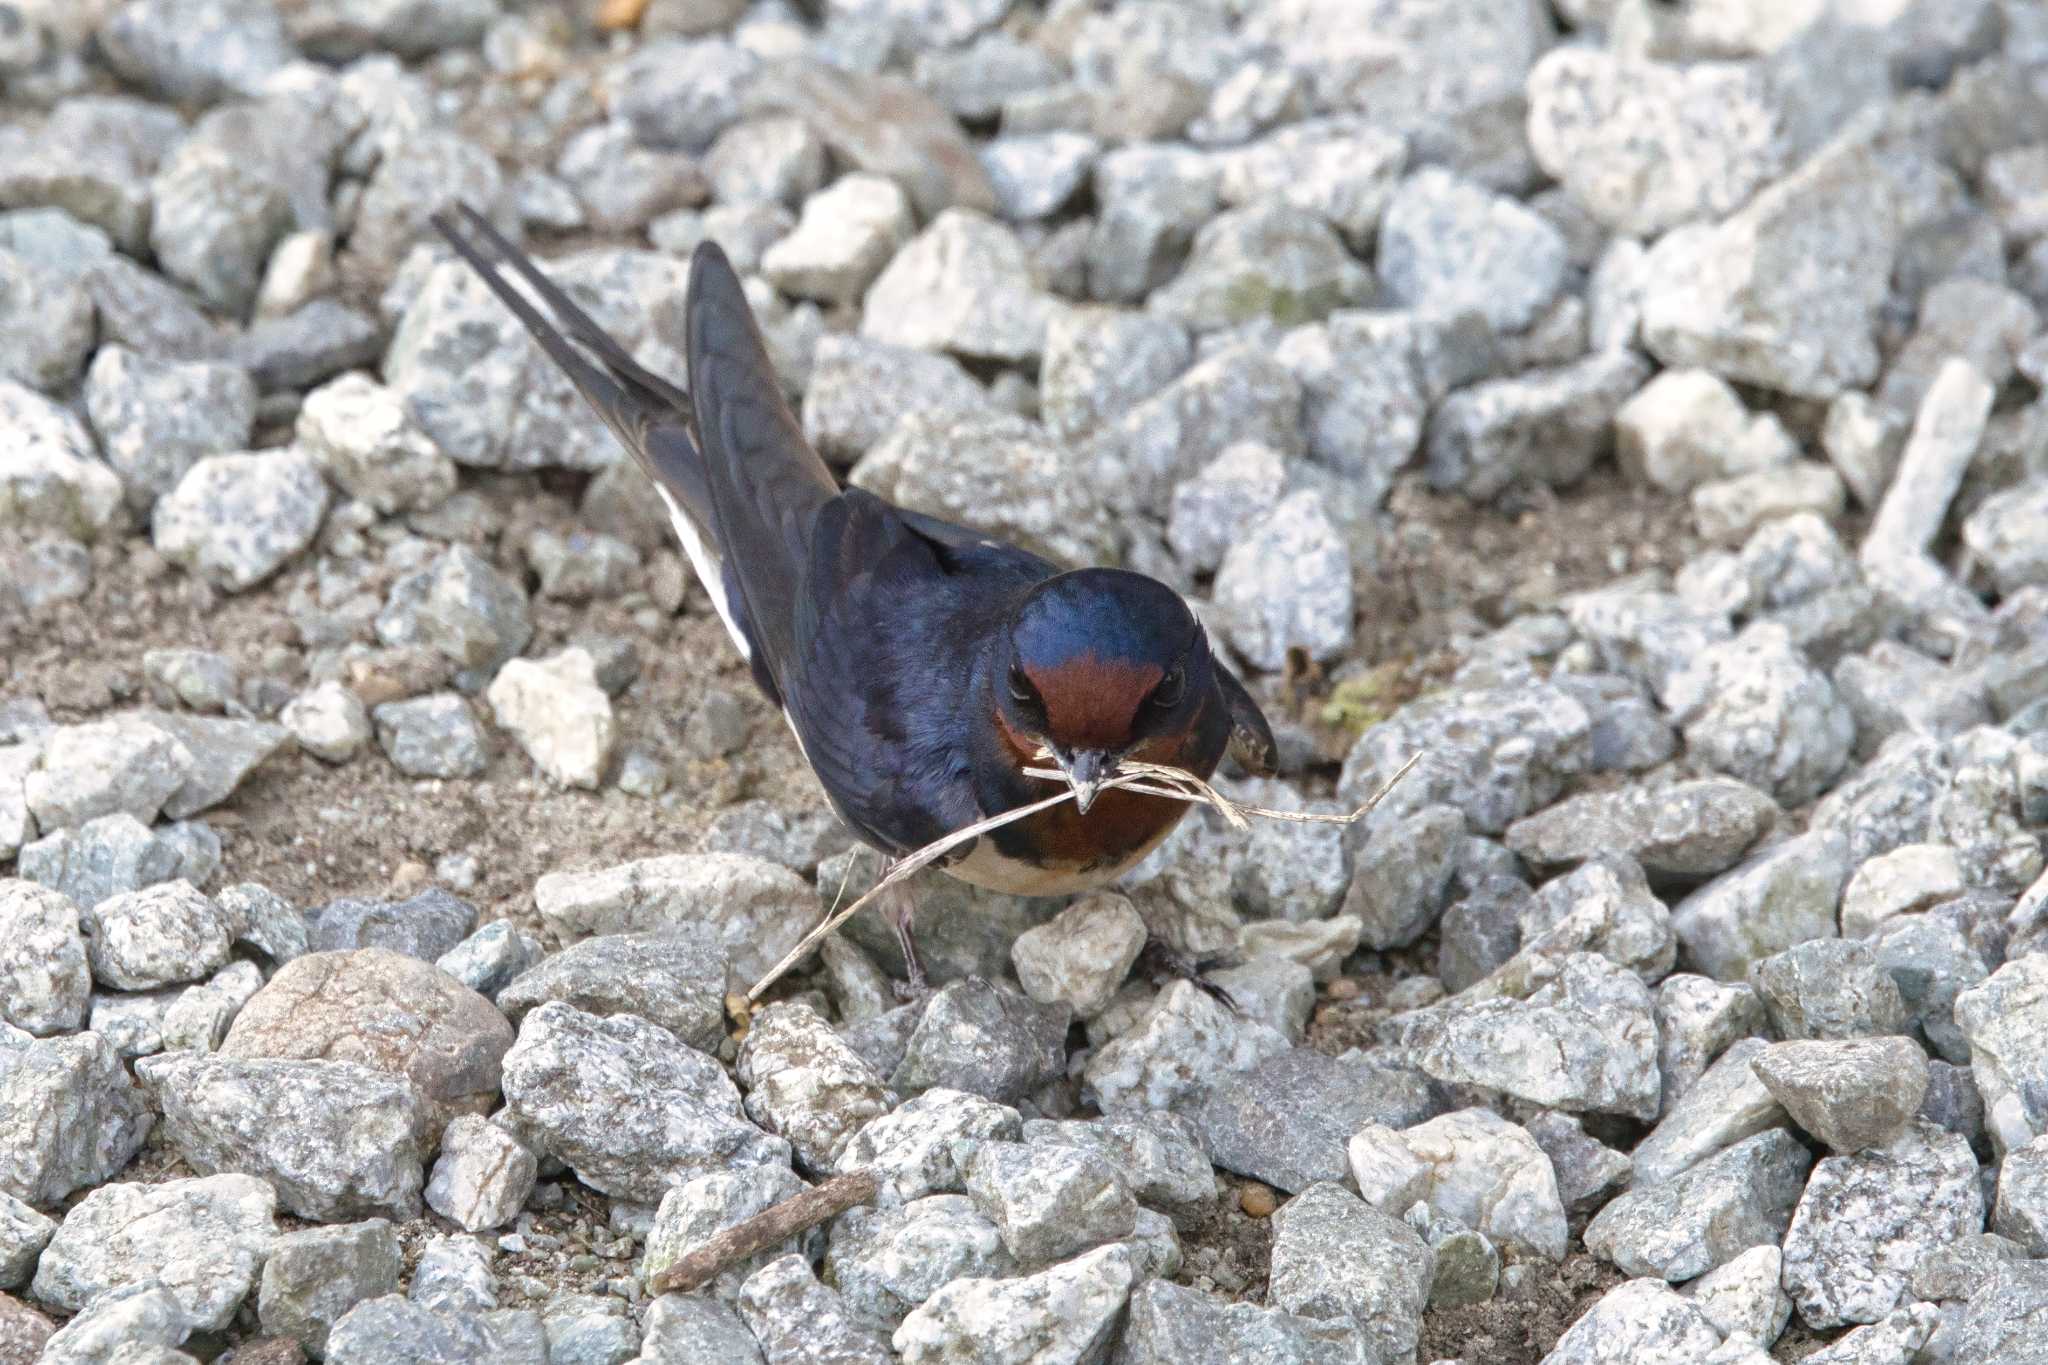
771, 1226
1147, 779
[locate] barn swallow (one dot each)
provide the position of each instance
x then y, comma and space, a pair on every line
922, 666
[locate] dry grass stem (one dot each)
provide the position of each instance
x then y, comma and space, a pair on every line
1146, 779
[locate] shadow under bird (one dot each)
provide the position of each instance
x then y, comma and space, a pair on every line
922, 665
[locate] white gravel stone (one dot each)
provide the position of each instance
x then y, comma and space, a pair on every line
694, 1212
157, 936
1739, 1198
1334, 1256
204, 1240
1080, 957
366, 441
1049, 1202
43, 976
69, 1116
1784, 293
844, 237
559, 714
1471, 1166
1431, 254
1687, 427
1945, 436
914, 1149
796, 1319
1644, 146
23, 1235
483, 1176
1753, 707
963, 285
314, 1276
1866, 1221
1184, 1043
328, 721
121, 764
1642, 1321
1725, 1105
50, 479
1785, 895
1066, 1313
1582, 1039
759, 909
804, 1083
336, 1140
886, 1262
2005, 1021
625, 1104
1287, 584
1743, 1296
236, 519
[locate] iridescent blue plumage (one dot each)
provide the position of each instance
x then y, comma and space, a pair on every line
921, 665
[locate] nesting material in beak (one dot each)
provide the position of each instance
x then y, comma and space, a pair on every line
1086, 769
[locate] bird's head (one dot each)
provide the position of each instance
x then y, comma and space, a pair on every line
1101, 665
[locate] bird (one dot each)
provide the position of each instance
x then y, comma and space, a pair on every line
922, 665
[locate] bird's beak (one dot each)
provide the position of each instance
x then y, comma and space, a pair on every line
1085, 770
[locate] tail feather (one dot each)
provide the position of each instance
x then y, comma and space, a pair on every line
652, 418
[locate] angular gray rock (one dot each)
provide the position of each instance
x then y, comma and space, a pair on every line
806, 1084
204, 1240
1598, 1049
314, 1277
2005, 1022
483, 1176
625, 1104
1185, 1043
157, 418
43, 977
370, 446
963, 285
796, 1319
335, 1140
1431, 257
237, 519
1727, 298
1066, 1312
1471, 1167
1851, 1094
694, 1212
1286, 585
157, 936
1740, 1198
1545, 426
1285, 1121
1866, 1221
887, 1262
913, 1147
434, 736
674, 977
1642, 1319
1785, 895
1697, 828
1828, 988
759, 909
1048, 1203
1726, 1104
1334, 1256
986, 1039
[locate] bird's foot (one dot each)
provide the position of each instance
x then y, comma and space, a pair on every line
1160, 960
917, 987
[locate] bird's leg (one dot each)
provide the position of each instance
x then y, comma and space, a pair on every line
1160, 959
899, 904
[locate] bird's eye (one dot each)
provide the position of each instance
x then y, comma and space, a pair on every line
1171, 688
1020, 687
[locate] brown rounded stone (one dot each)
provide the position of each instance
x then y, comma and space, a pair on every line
387, 1010
1257, 1200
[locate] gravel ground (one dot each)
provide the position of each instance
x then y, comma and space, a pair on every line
1634, 409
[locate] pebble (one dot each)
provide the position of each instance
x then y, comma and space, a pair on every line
313, 1277
1337, 1257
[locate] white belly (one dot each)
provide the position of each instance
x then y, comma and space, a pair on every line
986, 867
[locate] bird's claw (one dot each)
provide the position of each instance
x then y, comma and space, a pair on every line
1160, 960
